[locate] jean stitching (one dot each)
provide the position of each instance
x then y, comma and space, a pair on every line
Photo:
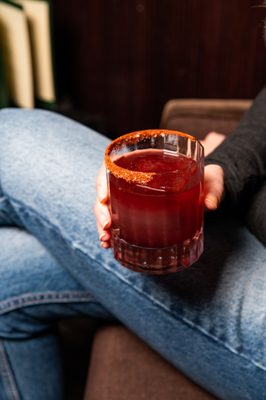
76, 246
7, 375
16, 302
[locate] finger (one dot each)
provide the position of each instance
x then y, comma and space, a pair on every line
105, 245
102, 215
104, 237
211, 141
214, 186
101, 185
213, 198
212, 201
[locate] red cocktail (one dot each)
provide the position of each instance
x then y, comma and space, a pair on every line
156, 200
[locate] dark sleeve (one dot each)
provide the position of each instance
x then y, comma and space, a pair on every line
255, 216
243, 154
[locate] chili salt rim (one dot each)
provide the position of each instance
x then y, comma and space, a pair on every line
133, 138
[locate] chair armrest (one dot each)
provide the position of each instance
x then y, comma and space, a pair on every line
200, 116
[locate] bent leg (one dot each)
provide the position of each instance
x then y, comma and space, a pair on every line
209, 320
35, 292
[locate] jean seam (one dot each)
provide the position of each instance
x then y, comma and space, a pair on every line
33, 299
8, 378
76, 246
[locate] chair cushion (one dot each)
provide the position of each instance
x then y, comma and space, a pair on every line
122, 367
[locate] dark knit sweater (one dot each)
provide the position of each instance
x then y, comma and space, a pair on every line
243, 158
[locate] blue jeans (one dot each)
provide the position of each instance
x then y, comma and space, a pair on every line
209, 321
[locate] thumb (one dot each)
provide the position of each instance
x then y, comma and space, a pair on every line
213, 186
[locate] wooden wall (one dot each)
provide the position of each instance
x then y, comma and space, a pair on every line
120, 60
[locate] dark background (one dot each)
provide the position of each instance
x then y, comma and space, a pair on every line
119, 61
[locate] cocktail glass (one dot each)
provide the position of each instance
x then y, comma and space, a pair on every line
155, 183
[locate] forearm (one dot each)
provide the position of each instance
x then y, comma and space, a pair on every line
243, 154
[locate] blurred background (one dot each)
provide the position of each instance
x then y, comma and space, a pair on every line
118, 61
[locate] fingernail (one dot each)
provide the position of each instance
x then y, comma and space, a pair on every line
104, 245
104, 236
212, 201
106, 224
